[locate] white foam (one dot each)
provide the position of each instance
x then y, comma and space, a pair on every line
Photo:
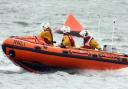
10, 69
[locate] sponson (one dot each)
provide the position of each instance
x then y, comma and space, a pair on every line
32, 54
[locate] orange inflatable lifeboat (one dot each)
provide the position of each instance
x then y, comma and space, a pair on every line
31, 53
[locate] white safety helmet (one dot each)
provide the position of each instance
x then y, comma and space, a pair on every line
65, 29
45, 25
84, 33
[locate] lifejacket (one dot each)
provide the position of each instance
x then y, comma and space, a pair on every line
46, 40
70, 38
87, 42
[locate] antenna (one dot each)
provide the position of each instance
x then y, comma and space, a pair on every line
99, 26
113, 34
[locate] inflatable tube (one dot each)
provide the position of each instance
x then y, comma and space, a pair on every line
32, 54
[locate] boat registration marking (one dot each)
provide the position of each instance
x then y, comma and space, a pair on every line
19, 43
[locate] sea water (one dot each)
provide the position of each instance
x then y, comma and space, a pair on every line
23, 17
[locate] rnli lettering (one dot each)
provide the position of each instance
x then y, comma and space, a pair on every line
19, 43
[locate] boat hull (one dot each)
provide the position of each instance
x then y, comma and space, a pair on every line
29, 53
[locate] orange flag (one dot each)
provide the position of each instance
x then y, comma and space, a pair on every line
73, 23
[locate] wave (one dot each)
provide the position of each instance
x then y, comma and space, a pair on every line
11, 69
21, 23
105, 73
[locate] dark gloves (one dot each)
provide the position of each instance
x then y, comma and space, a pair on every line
62, 46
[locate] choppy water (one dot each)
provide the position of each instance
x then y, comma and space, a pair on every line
23, 17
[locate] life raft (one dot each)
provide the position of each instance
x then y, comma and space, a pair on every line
32, 54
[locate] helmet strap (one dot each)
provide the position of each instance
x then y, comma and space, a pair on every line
86, 34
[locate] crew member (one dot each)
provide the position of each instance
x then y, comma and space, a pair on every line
89, 41
46, 33
67, 40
